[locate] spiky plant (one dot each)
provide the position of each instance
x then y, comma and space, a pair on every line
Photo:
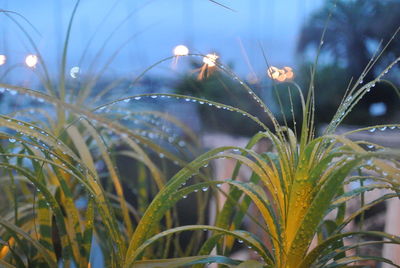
294, 188
58, 199
63, 184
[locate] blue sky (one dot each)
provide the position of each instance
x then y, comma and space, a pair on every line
159, 26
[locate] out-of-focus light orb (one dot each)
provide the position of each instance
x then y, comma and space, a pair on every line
3, 59
288, 69
210, 59
74, 72
31, 60
181, 50
280, 75
273, 72
289, 73
377, 109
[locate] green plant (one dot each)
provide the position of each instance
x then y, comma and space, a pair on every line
62, 182
294, 188
49, 166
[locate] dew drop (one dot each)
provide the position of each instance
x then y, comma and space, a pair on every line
154, 97
127, 100
204, 189
372, 130
240, 241
12, 140
137, 98
382, 128
181, 143
74, 72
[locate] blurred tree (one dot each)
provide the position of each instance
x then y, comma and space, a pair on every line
219, 87
352, 34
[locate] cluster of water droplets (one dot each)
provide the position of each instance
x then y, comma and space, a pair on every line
188, 99
386, 71
40, 142
14, 92
383, 128
380, 128
146, 124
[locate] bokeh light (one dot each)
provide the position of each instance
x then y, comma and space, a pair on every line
3, 59
378, 109
181, 50
31, 60
210, 59
280, 75
273, 72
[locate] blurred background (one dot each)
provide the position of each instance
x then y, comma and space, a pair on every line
123, 38
158, 26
